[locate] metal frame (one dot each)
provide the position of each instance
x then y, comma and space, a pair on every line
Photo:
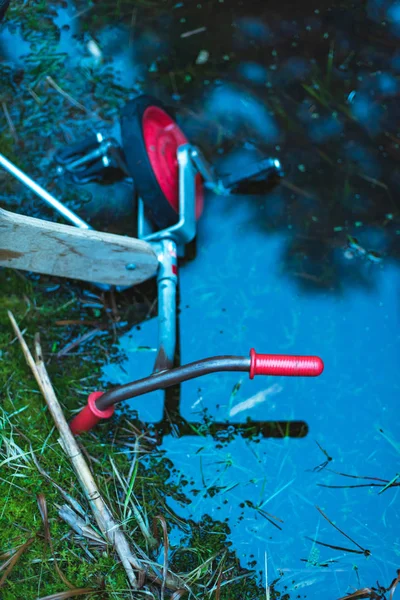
168, 243
68, 214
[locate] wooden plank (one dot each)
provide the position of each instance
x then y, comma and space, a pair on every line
64, 251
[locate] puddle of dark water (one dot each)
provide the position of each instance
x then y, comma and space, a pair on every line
316, 85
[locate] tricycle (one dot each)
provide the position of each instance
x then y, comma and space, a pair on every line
169, 176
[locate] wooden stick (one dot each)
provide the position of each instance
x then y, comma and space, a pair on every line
107, 525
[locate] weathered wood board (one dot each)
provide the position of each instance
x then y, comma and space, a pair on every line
65, 251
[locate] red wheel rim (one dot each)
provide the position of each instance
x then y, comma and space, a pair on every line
162, 138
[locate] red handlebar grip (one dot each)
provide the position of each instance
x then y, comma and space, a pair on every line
90, 415
284, 364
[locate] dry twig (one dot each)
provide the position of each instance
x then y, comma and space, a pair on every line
105, 521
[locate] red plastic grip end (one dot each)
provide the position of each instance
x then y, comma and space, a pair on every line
90, 415
285, 364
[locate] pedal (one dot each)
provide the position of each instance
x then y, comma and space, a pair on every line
95, 159
94, 172
72, 152
252, 177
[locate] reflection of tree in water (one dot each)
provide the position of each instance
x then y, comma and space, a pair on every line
317, 87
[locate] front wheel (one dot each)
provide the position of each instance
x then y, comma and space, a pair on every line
150, 140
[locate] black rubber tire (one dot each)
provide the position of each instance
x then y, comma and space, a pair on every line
138, 163
4, 4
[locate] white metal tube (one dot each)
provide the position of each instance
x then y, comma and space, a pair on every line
167, 281
69, 215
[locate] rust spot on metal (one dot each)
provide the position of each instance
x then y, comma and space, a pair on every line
162, 361
9, 254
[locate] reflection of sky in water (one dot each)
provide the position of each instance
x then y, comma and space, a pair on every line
253, 72
226, 103
234, 296
117, 42
14, 47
